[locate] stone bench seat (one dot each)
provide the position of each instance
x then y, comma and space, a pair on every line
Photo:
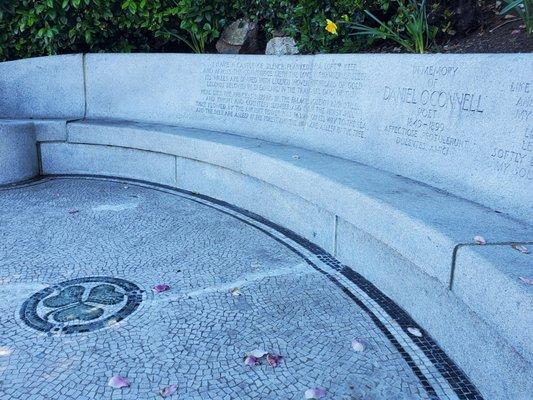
325, 199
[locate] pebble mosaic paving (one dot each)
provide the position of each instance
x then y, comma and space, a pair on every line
79, 257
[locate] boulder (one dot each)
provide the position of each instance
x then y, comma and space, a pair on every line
281, 46
240, 37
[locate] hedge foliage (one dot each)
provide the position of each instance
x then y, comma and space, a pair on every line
42, 27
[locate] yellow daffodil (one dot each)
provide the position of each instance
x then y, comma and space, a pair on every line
331, 27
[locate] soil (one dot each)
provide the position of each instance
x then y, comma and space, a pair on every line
493, 34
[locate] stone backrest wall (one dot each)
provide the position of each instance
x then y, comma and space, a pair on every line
461, 123
47, 87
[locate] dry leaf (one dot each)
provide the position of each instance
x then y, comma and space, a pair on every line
414, 331
316, 393
480, 240
520, 248
168, 391
118, 382
161, 288
358, 345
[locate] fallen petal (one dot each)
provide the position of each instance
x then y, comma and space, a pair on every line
520, 248
526, 280
480, 240
161, 288
316, 393
118, 382
235, 291
358, 345
515, 32
168, 391
415, 332
258, 353
251, 361
274, 359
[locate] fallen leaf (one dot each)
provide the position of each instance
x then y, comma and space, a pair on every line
316, 393
251, 361
296, 157
358, 345
274, 359
118, 382
480, 240
73, 211
257, 353
161, 288
235, 291
168, 391
520, 248
526, 280
414, 331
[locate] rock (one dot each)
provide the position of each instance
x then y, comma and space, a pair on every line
281, 46
240, 37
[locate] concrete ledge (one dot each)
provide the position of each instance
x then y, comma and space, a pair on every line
420, 222
18, 152
46, 130
487, 279
63, 158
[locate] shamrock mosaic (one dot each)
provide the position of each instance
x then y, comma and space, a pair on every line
81, 305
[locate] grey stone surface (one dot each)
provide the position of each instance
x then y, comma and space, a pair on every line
46, 87
62, 158
488, 279
418, 221
46, 130
469, 339
18, 152
281, 207
281, 46
195, 334
458, 122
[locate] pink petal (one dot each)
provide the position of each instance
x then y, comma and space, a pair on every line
161, 288
257, 353
251, 361
118, 382
520, 248
480, 240
274, 359
515, 32
168, 391
316, 393
414, 331
358, 345
526, 280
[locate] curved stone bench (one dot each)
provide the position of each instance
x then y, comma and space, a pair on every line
412, 239
18, 152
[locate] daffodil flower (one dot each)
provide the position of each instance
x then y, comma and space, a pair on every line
331, 27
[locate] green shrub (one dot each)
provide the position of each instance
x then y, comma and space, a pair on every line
42, 27
201, 22
409, 28
33, 28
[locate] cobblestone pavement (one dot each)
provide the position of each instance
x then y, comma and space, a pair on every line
79, 258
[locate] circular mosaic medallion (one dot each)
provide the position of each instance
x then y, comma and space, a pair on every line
81, 305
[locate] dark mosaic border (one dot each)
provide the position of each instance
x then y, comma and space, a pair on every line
456, 378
